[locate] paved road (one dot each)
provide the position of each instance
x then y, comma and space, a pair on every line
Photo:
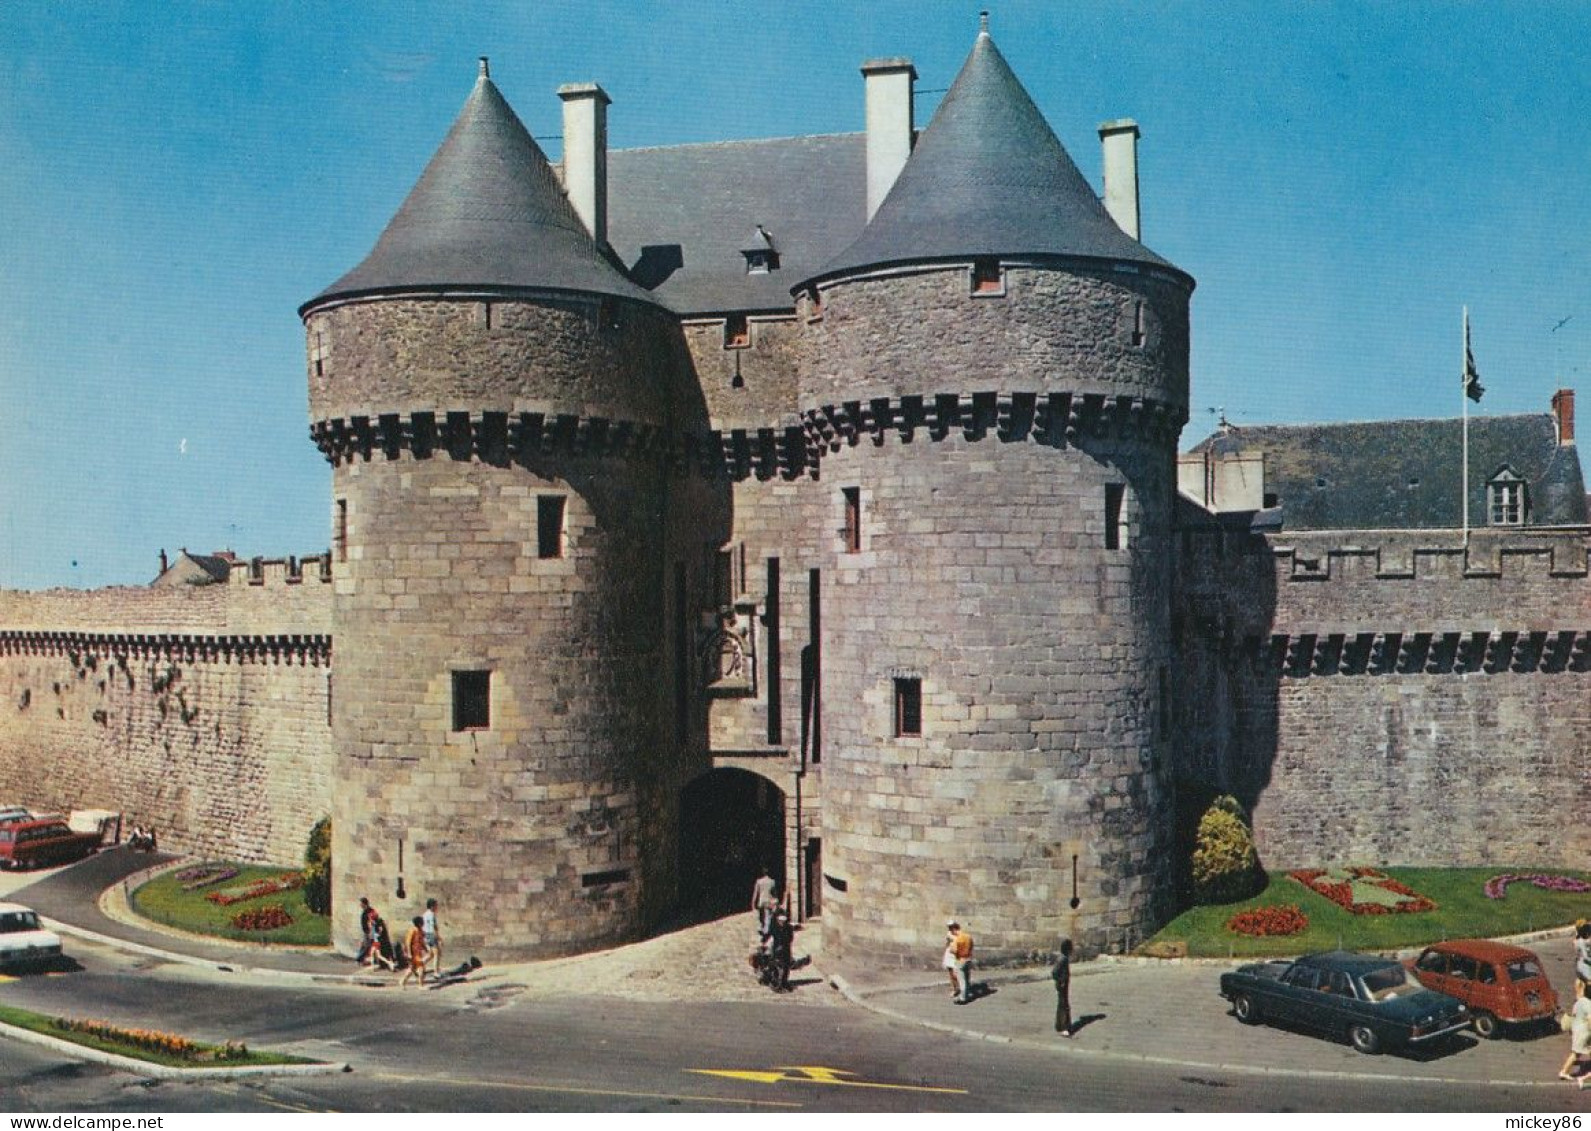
677, 1024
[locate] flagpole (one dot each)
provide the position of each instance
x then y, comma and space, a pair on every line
1463, 396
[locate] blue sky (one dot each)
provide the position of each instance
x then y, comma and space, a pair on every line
176, 178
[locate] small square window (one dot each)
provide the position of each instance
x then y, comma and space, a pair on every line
908, 707
472, 700
853, 519
986, 277
737, 332
549, 526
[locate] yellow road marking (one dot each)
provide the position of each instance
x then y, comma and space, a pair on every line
817, 1074
574, 1090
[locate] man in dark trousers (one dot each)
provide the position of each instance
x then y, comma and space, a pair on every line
1062, 973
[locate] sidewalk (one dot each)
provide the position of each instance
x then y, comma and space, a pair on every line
1171, 1013
1168, 1013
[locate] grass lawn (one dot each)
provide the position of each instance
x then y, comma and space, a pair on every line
1462, 911
39, 1023
163, 900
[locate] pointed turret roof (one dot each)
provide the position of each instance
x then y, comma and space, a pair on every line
488, 213
988, 177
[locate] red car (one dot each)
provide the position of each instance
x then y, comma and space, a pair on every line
1501, 984
28, 844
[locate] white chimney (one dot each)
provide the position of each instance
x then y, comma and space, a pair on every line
585, 154
890, 125
1120, 141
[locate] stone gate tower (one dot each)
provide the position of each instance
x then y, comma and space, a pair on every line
494, 397
996, 374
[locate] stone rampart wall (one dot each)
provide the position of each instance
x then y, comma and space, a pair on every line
200, 710
1391, 697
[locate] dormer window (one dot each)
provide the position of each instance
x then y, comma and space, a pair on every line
1506, 501
761, 254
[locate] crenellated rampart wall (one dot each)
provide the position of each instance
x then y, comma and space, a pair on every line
201, 710
1393, 697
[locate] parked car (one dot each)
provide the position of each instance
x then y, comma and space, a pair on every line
27, 844
10, 814
1374, 1002
22, 941
1501, 984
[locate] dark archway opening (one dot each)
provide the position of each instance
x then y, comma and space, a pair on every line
731, 824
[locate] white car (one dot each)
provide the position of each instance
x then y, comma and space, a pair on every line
22, 941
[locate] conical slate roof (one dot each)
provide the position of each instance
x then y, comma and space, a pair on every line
488, 213
988, 177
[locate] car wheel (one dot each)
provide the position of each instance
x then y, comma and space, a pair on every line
1486, 1025
1244, 1009
1364, 1039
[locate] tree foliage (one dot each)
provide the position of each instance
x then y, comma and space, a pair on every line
1225, 864
317, 868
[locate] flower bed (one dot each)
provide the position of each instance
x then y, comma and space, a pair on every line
1363, 891
152, 1040
268, 918
1261, 922
274, 885
203, 875
1497, 886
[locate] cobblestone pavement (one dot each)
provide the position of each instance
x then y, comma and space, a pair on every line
708, 962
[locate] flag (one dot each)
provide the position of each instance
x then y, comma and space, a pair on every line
1472, 378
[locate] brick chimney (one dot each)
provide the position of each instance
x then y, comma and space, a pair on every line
1119, 139
888, 85
585, 154
164, 564
1563, 414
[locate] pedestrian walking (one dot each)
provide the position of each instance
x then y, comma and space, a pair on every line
764, 896
382, 954
1061, 972
433, 936
1579, 1019
961, 950
367, 930
949, 959
414, 950
1582, 951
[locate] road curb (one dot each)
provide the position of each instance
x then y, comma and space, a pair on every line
164, 1071
224, 967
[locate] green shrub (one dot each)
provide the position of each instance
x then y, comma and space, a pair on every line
317, 868
1225, 865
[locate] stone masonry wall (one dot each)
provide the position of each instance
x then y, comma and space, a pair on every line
983, 574
1408, 701
563, 354
1083, 331
201, 710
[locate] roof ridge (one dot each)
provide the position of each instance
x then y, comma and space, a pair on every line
727, 142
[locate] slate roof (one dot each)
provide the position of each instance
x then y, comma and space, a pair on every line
988, 177
1405, 474
196, 569
488, 213
680, 216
